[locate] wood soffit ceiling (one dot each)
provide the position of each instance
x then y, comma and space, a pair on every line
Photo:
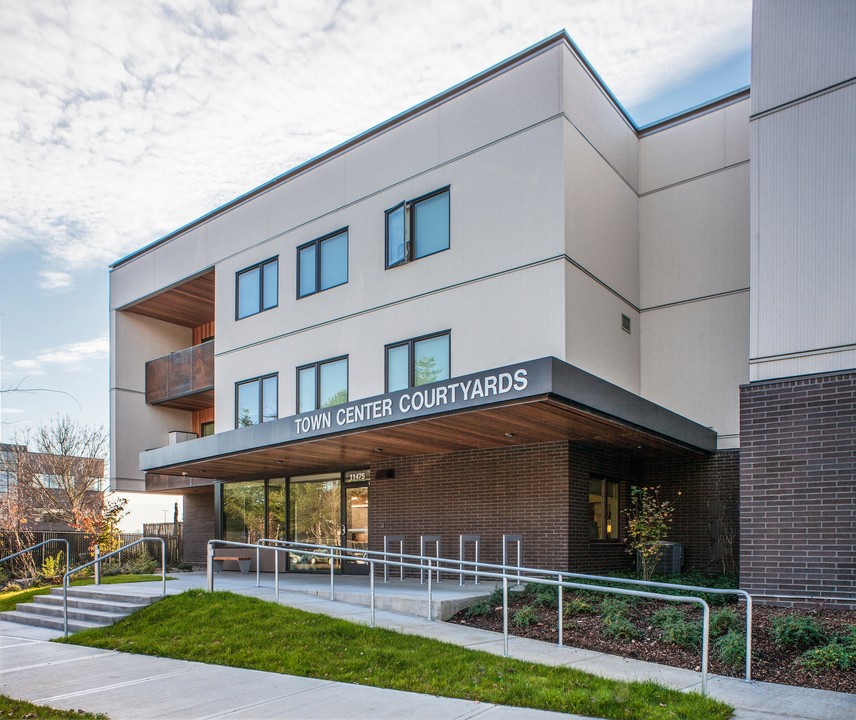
189, 304
519, 423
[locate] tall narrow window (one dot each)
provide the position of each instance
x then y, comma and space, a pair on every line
418, 361
256, 401
417, 228
257, 288
603, 509
322, 264
322, 384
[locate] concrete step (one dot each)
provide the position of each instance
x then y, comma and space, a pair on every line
93, 604
44, 621
88, 607
99, 617
93, 592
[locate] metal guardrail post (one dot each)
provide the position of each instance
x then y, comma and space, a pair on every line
332, 577
276, 575
505, 615
97, 564
371, 585
705, 645
163, 567
561, 615
748, 638
258, 568
518, 540
210, 566
430, 611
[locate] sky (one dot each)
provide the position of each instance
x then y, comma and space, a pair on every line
122, 121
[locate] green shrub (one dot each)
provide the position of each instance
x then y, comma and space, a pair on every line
836, 655
667, 616
525, 617
731, 648
495, 598
686, 634
544, 595
797, 631
578, 606
480, 609
144, 564
53, 566
723, 621
614, 607
620, 627
111, 568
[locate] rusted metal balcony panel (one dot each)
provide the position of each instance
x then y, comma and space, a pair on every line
183, 379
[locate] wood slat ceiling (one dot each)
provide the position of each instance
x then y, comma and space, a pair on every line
189, 304
523, 423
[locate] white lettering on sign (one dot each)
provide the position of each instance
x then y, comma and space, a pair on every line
416, 400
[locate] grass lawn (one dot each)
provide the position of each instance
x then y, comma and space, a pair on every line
8, 600
226, 629
11, 708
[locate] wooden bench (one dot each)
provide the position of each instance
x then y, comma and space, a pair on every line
242, 560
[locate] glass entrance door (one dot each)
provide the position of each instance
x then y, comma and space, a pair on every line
315, 516
356, 527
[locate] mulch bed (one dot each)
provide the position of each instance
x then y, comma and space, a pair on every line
769, 663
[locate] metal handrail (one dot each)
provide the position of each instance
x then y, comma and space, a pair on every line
97, 561
332, 552
41, 544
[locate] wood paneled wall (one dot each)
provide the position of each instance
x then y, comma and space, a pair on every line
201, 332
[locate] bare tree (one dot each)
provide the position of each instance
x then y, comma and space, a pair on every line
60, 471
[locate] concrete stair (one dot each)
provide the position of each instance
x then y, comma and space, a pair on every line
88, 607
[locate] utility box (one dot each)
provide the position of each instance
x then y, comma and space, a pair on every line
670, 562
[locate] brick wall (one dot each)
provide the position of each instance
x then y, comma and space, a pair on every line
706, 493
798, 491
521, 490
198, 525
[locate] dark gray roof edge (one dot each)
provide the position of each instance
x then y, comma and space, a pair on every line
547, 376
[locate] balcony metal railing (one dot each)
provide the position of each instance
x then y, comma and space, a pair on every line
503, 573
174, 379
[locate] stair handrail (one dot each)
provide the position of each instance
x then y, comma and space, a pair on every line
41, 544
97, 561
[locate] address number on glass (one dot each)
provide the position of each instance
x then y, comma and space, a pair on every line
356, 475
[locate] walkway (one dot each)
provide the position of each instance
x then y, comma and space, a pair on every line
131, 686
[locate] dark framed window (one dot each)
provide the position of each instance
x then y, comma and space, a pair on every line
603, 509
322, 384
322, 264
257, 288
207, 428
256, 401
417, 228
418, 361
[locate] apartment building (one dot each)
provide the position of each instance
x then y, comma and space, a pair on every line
492, 314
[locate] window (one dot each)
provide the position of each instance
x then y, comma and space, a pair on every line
322, 384
322, 264
51, 482
256, 401
603, 509
417, 228
207, 428
257, 289
418, 361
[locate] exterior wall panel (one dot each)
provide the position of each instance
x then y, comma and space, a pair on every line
803, 254
813, 40
694, 238
694, 360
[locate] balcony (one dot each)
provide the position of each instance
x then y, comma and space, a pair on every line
183, 379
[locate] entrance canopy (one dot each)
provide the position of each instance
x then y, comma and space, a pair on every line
537, 401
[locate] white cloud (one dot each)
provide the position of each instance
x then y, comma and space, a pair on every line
67, 357
121, 121
54, 280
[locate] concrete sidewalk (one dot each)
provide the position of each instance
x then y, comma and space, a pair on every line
284, 696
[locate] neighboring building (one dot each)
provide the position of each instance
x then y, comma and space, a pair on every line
47, 490
493, 313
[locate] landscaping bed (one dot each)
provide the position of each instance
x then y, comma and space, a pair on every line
808, 648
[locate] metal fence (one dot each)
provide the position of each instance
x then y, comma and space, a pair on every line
81, 544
